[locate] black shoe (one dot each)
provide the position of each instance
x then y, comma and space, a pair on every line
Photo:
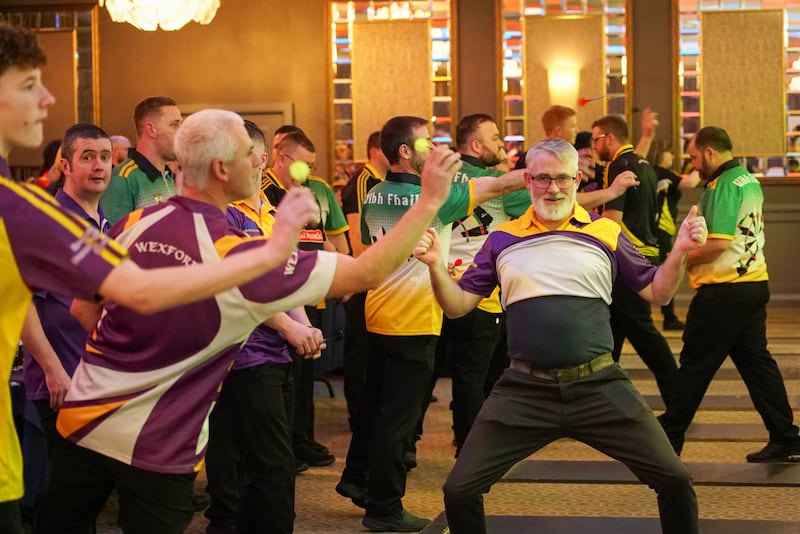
774, 453
317, 446
200, 501
299, 466
405, 521
410, 460
313, 457
354, 492
673, 324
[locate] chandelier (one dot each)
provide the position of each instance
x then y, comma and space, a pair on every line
170, 15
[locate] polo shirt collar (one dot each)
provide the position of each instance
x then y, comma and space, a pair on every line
622, 150
70, 204
5, 170
728, 165
528, 219
403, 177
274, 179
472, 160
146, 166
373, 171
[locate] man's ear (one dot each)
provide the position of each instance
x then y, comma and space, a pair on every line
476, 145
404, 151
527, 177
218, 170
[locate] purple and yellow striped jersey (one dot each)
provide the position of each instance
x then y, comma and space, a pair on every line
146, 384
42, 247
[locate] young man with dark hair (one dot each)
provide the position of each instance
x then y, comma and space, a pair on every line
635, 212
356, 348
54, 341
249, 464
328, 234
41, 239
144, 178
404, 323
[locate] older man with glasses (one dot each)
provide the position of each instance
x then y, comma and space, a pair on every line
556, 266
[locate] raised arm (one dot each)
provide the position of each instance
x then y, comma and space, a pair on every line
152, 290
649, 125
489, 187
591, 199
691, 236
455, 302
378, 261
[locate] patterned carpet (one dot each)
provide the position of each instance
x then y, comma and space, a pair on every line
321, 511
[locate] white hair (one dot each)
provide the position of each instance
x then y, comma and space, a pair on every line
203, 137
557, 147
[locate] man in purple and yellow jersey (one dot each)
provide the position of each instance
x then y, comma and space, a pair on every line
291, 146
250, 465
53, 339
556, 266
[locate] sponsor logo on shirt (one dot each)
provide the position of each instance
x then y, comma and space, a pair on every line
291, 264
92, 240
156, 247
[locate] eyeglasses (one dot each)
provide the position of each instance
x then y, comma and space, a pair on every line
311, 166
543, 181
596, 139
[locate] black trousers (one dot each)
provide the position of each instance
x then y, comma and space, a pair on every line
356, 352
303, 369
249, 463
603, 410
10, 518
729, 319
398, 374
154, 503
470, 341
631, 318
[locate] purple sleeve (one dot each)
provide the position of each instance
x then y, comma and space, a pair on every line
54, 249
286, 279
480, 278
633, 269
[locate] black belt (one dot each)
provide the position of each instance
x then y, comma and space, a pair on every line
566, 374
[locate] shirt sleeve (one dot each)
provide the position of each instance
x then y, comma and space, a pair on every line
304, 279
349, 200
516, 203
480, 278
459, 204
336, 222
633, 269
721, 209
56, 250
